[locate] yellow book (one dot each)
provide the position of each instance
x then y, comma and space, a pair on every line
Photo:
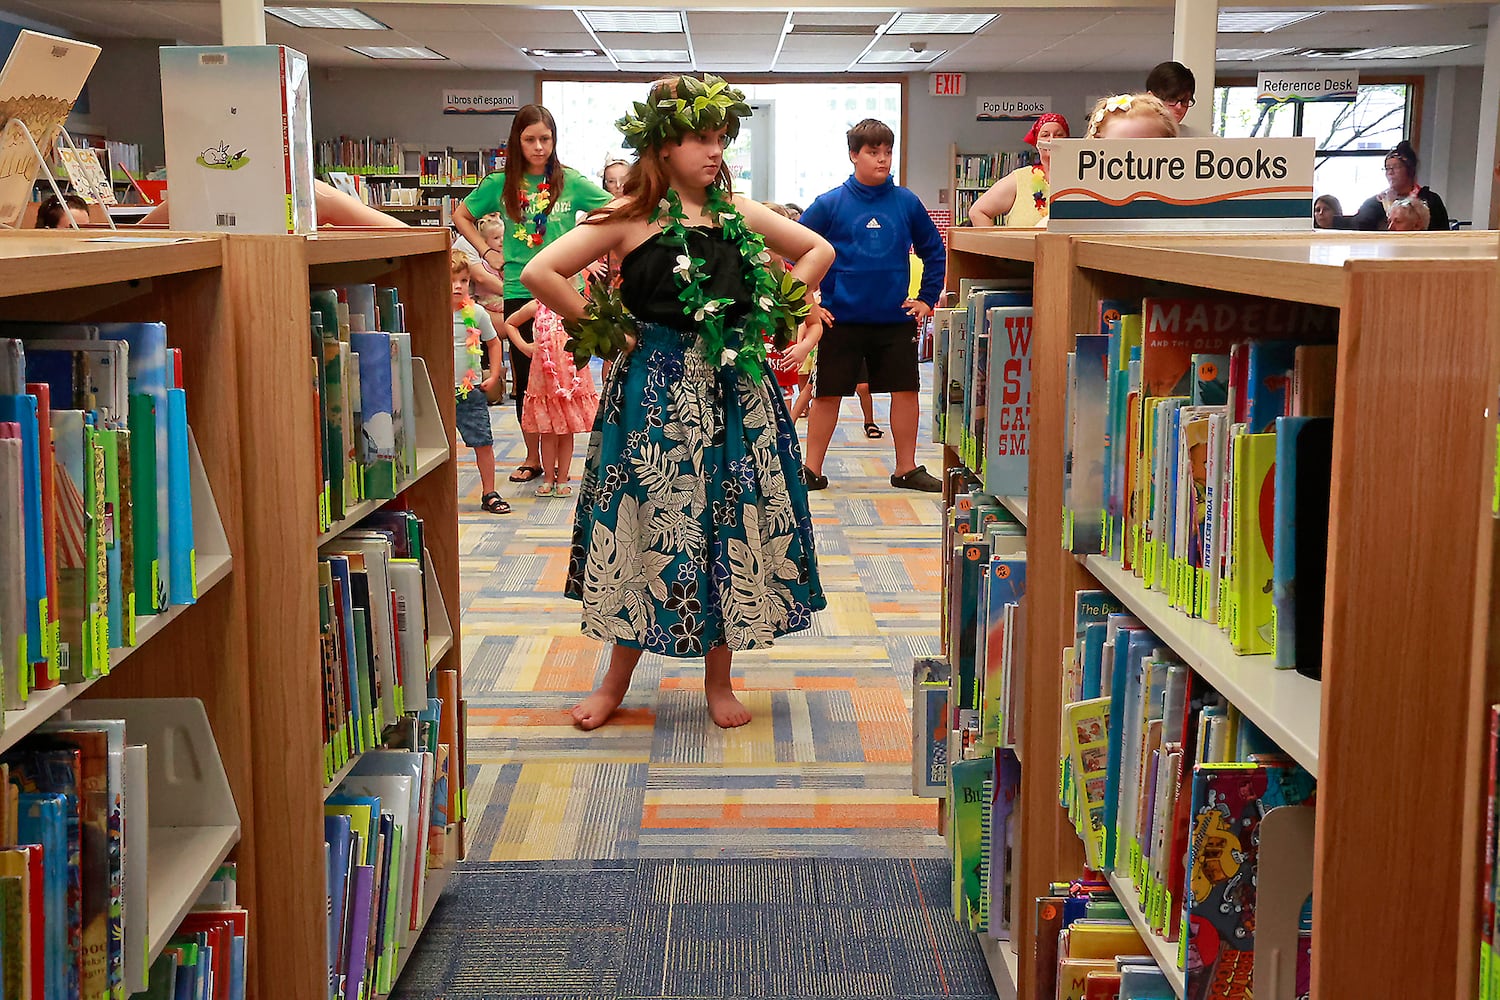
1251, 627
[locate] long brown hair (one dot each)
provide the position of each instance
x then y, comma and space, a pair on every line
515, 159
646, 184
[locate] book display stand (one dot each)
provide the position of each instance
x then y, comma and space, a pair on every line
183, 688
237, 307
19, 126
1394, 732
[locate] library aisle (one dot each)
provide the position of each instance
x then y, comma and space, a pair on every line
662, 857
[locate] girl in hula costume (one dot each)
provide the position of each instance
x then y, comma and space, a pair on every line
692, 535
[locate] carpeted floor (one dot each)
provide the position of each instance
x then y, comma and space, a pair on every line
662, 857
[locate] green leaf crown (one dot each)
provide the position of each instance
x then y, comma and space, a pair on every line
698, 105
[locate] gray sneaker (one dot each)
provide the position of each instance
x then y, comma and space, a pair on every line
918, 479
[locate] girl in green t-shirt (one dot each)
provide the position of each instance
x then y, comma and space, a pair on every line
540, 200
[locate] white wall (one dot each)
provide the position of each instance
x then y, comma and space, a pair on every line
1461, 132
408, 105
933, 123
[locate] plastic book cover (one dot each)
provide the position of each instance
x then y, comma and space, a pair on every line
15, 924
1073, 973
238, 138
957, 368
28, 645
42, 77
1008, 411
182, 555
1176, 329
376, 417
1254, 525
1130, 529
325, 307
1228, 802
1087, 732
411, 629
46, 676
1144, 983
111, 536
77, 549
976, 401
1268, 383
930, 725
43, 821
1007, 585
970, 557
1210, 379
405, 420
362, 895
1102, 986
1085, 498
1124, 386
1313, 380
448, 728
969, 806
940, 321
1303, 471
83, 374
55, 772
1005, 789
124, 517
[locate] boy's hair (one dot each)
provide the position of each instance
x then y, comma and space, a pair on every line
1132, 106
778, 209
457, 264
1171, 80
870, 132
489, 224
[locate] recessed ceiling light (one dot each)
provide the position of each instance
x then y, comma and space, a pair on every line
1261, 20
915, 23
650, 55
1403, 51
395, 51
635, 21
326, 17
1248, 55
901, 56
562, 53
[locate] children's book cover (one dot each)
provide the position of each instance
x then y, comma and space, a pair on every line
1251, 628
182, 551
1007, 585
1303, 475
1008, 410
969, 802
1003, 845
1087, 733
377, 401
1176, 329
56, 772
42, 77
1210, 379
1090, 430
27, 645
1268, 383
1229, 801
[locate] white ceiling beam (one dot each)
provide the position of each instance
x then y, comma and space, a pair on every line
243, 21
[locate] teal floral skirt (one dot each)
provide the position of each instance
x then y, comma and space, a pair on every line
692, 529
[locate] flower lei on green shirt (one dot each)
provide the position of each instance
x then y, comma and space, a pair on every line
471, 344
536, 206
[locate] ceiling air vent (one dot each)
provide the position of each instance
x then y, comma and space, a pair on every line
843, 30
1328, 53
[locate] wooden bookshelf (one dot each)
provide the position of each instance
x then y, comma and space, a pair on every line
269, 279
190, 651
1393, 731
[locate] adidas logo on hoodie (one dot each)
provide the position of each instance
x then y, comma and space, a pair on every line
873, 224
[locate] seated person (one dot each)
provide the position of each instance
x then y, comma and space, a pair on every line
1328, 213
1408, 215
1021, 195
1401, 176
334, 208
53, 214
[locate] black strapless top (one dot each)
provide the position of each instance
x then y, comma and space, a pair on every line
649, 289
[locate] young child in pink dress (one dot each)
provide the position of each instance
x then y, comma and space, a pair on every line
561, 399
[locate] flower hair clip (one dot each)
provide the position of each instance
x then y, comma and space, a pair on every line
1120, 102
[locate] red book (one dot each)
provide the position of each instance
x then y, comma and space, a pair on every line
1102, 986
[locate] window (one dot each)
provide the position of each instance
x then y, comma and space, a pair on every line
1352, 138
773, 160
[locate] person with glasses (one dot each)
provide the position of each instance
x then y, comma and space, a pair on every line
1401, 177
1174, 85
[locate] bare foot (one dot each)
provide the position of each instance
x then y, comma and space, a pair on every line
725, 709
595, 710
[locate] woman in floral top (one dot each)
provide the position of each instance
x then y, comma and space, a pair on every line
1021, 195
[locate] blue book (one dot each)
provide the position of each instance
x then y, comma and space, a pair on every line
1142, 982
336, 833
44, 820
344, 607
237, 968
1093, 660
1304, 462
182, 556
22, 410
1210, 379
1125, 637
1268, 382
377, 412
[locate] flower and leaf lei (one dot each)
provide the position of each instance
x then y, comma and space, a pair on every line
778, 302
535, 207
472, 345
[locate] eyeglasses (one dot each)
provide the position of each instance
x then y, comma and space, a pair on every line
1180, 102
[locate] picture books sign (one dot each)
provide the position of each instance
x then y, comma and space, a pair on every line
1145, 185
481, 102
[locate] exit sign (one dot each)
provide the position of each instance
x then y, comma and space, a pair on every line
947, 84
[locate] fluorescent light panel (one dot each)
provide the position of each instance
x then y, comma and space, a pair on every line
650, 55
916, 23
901, 56
1261, 20
395, 51
562, 53
635, 21
1248, 55
1403, 51
326, 17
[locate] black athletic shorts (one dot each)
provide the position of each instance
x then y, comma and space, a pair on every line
888, 352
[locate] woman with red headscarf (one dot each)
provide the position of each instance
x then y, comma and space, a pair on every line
1021, 195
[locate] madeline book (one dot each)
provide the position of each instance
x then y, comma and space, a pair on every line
1176, 329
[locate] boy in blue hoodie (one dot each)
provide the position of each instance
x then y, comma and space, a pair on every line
873, 224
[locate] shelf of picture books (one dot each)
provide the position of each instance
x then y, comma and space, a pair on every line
1223, 548
976, 173
118, 820
76, 401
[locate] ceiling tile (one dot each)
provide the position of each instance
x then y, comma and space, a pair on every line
735, 23
415, 17
507, 21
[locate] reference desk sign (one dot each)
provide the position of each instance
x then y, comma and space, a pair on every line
1154, 185
1302, 87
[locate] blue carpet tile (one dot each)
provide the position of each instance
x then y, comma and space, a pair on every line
685, 929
